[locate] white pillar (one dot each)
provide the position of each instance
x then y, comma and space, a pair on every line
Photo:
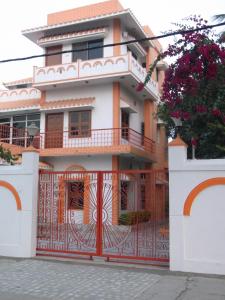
30, 165
177, 158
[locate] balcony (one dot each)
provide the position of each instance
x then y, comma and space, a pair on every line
118, 141
20, 94
109, 67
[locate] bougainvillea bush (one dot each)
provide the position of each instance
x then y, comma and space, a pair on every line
194, 89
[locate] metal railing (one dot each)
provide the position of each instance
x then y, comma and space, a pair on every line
77, 139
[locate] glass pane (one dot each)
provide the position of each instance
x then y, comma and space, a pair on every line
4, 120
37, 123
19, 124
95, 53
81, 54
19, 118
85, 131
33, 117
74, 130
85, 116
74, 117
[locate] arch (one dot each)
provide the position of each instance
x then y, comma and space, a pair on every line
71, 67
33, 91
75, 168
198, 189
62, 186
120, 59
23, 91
86, 65
60, 69
51, 70
9, 187
40, 71
97, 63
109, 61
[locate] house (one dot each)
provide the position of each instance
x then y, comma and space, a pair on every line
85, 103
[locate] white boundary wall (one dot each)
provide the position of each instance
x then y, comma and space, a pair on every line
197, 241
18, 226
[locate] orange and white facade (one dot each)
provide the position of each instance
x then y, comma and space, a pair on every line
85, 103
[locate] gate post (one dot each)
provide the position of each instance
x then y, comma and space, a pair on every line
29, 195
99, 226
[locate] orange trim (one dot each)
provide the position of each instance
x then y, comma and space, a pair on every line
85, 12
103, 150
20, 81
20, 104
198, 189
148, 59
30, 149
116, 111
147, 118
14, 149
116, 36
67, 103
43, 98
9, 187
177, 142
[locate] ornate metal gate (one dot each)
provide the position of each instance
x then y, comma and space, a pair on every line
120, 214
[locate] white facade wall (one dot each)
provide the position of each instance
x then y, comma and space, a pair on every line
102, 112
108, 51
197, 241
18, 227
90, 163
136, 104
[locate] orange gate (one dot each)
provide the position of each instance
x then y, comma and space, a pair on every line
121, 214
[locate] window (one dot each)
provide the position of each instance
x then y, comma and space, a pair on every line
124, 185
132, 53
80, 123
89, 53
53, 59
76, 195
20, 124
125, 120
5, 129
95, 53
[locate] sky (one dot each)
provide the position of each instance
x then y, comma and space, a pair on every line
25, 14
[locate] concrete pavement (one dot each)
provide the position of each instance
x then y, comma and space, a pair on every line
35, 279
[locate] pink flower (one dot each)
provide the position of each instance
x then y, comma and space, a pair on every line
176, 114
216, 112
186, 115
194, 142
140, 87
200, 108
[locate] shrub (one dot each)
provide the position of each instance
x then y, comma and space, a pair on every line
133, 217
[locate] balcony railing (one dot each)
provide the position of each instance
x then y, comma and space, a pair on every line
100, 67
20, 94
75, 139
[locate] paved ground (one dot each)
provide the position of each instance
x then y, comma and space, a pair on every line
38, 279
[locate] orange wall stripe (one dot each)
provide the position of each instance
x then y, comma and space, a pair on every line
198, 189
147, 118
9, 187
43, 98
116, 36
